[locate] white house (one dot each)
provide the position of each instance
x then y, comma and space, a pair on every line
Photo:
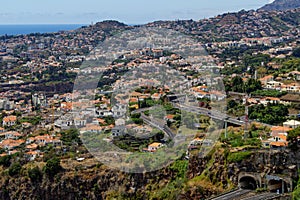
291, 124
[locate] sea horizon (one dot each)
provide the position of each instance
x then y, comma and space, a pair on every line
22, 29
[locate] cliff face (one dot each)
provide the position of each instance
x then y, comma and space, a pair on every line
282, 5
204, 177
225, 174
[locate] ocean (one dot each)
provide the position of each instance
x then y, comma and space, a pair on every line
36, 28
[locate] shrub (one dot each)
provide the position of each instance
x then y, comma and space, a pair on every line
238, 156
5, 161
35, 174
136, 115
52, 166
71, 135
14, 169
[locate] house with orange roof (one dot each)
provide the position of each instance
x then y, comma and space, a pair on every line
11, 144
169, 118
156, 96
30, 140
278, 144
267, 100
202, 94
280, 130
13, 152
133, 100
196, 141
31, 147
92, 128
26, 124
142, 129
264, 80
217, 95
99, 121
154, 146
278, 137
9, 120
12, 135
43, 140
135, 95
32, 155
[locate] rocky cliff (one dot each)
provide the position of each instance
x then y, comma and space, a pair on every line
204, 177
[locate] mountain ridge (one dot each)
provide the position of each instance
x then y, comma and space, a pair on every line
281, 5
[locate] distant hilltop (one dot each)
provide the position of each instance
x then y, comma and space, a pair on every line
282, 5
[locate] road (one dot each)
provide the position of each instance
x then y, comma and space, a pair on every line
158, 125
214, 114
232, 195
262, 196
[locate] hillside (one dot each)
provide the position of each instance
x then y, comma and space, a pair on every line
236, 26
282, 5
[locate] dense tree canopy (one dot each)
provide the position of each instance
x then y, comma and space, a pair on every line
293, 136
270, 114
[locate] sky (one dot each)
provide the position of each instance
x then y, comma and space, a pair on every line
127, 11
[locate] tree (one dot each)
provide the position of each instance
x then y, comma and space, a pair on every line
5, 160
71, 135
35, 174
231, 104
270, 114
292, 137
237, 84
252, 85
296, 53
52, 166
14, 169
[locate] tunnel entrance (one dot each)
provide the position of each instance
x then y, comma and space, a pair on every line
248, 182
279, 186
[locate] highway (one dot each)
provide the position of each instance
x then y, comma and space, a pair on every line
263, 196
214, 114
158, 125
232, 195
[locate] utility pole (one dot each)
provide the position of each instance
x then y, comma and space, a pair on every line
246, 131
225, 129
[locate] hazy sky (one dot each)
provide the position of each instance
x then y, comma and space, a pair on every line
127, 11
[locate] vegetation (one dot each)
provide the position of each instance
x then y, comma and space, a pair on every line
256, 60
238, 156
33, 120
235, 108
238, 85
235, 139
296, 52
52, 167
132, 143
293, 138
35, 174
14, 169
176, 184
269, 93
270, 114
5, 160
70, 136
